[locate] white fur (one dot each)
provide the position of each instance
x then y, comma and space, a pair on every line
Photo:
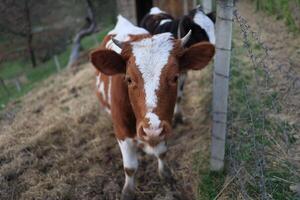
121, 31
130, 159
100, 88
207, 24
98, 80
155, 11
164, 21
124, 27
100, 85
129, 153
152, 132
160, 164
154, 120
107, 110
157, 150
109, 91
151, 55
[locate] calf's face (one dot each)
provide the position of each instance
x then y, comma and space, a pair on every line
151, 67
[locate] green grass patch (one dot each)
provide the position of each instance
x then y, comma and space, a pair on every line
281, 9
211, 184
279, 180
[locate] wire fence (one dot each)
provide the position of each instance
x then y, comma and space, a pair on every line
261, 127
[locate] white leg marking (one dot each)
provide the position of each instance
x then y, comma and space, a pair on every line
109, 91
130, 160
160, 164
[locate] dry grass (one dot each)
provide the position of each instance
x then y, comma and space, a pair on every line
57, 143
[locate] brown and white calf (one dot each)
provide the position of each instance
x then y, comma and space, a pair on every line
201, 25
137, 82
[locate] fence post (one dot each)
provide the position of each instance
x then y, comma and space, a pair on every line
185, 7
207, 6
220, 82
57, 64
18, 84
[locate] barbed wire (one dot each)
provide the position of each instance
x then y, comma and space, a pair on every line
269, 76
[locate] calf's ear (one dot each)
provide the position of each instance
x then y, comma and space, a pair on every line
197, 56
108, 62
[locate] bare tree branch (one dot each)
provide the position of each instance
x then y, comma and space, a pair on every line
88, 29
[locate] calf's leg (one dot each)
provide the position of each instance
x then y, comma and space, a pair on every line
130, 163
163, 170
178, 115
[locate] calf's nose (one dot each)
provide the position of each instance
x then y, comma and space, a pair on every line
147, 132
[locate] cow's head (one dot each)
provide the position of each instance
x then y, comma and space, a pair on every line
151, 66
198, 34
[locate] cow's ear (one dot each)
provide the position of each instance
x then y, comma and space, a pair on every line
197, 56
108, 62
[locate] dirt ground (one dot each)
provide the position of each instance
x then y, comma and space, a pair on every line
57, 143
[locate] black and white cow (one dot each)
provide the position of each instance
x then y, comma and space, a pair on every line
201, 25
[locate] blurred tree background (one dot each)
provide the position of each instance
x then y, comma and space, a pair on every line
37, 29
32, 32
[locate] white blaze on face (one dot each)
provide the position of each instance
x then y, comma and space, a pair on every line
154, 121
151, 56
205, 22
154, 125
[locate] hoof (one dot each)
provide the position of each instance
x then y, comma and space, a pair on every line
127, 194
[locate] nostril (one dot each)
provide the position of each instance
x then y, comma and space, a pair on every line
166, 129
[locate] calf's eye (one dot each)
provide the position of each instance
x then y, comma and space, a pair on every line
128, 80
175, 78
